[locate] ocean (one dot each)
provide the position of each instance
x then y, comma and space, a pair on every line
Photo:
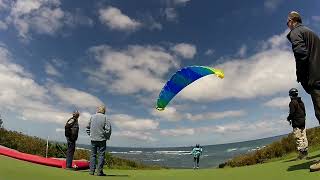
179, 157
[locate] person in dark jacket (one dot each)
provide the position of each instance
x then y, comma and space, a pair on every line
306, 50
297, 118
71, 133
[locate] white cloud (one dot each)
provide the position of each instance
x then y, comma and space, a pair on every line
242, 51
4, 4
3, 25
41, 115
232, 131
77, 18
258, 128
279, 102
181, 1
51, 70
134, 128
141, 136
16, 84
40, 16
209, 52
226, 128
58, 62
277, 42
126, 122
185, 50
267, 72
151, 23
272, 4
172, 114
75, 97
178, 132
59, 130
169, 114
84, 118
135, 69
245, 130
216, 115
21, 94
24, 97
115, 19
170, 14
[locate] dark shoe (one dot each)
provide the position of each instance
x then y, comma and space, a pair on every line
91, 173
306, 155
302, 155
102, 174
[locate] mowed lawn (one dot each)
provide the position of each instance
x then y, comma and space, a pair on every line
11, 169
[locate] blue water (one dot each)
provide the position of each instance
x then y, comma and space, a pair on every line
179, 157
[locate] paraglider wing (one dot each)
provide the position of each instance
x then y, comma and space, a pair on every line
181, 79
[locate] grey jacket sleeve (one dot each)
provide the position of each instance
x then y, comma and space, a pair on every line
88, 127
107, 129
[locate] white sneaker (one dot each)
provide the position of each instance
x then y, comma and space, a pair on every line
315, 167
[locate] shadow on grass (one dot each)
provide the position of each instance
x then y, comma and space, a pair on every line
309, 158
290, 160
118, 175
305, 165
315, 156
112, 175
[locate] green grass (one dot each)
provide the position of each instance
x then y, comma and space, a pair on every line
284, 169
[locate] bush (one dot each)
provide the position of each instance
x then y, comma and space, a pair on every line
275, 150
34, 145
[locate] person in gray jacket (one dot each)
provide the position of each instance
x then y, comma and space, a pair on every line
306, 50
99, 130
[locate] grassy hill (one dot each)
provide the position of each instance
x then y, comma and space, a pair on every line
276, 161
284, 147
285, 169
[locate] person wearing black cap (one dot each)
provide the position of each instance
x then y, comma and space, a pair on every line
297, 118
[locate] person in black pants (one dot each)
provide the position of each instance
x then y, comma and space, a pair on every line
306, 50
297, 118
71, 133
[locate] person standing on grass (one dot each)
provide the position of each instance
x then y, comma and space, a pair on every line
196, 152
71, 133
99, 130
306, 50
297, 118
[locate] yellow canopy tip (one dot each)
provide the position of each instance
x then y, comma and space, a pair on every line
159, 108
219, 73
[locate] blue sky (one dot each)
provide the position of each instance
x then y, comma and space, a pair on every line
57, 56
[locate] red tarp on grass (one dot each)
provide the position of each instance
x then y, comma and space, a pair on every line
54, 162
